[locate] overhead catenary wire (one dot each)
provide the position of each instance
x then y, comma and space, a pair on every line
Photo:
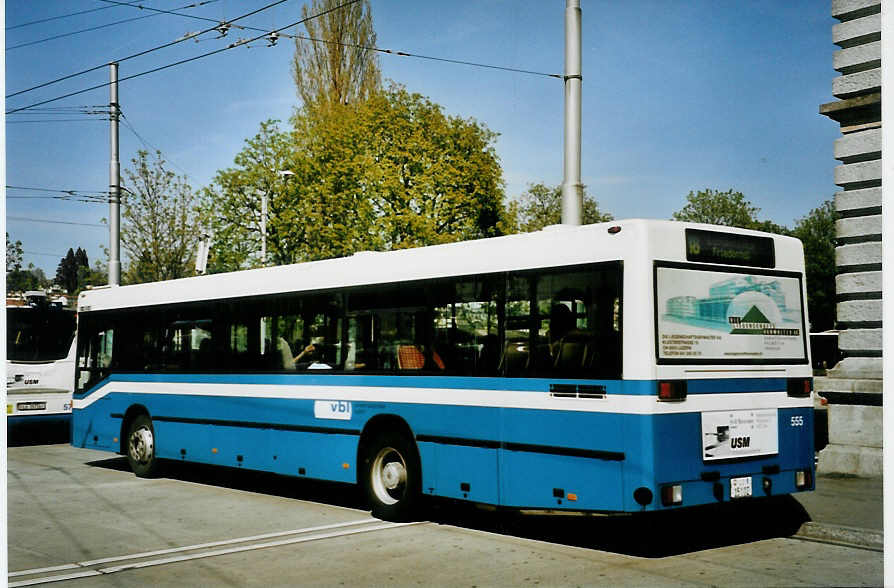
66, 198
52, 120
51, 18
44, 254
160, 11
55, 222
238, 43
149, 145
94, 196
96, 28
146, 51
377, 49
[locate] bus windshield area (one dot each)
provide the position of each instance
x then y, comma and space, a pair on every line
38, 334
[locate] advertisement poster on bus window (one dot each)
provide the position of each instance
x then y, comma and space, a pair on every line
710, 316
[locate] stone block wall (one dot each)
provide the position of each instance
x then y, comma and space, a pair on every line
854, 386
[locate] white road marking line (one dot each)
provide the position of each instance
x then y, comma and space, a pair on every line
179, 558
308, 534
73, 566
225, 542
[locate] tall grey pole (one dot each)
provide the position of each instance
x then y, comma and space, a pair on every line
114, 182
572, 188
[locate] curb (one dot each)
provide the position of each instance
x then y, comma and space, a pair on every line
840, 535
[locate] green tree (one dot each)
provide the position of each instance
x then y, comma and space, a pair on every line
67, 271
540, 206
817, 232
14, 255
335, 63
389, 172
234, 204
713, 207
21, 280
161, 221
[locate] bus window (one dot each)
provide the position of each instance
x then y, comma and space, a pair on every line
95, 356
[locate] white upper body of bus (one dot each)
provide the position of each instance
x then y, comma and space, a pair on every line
659, 278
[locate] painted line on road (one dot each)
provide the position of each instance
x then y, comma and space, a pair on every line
308, 534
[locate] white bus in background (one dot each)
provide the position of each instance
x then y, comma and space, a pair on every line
40, 362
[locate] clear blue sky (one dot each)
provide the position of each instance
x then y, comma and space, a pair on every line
677, 96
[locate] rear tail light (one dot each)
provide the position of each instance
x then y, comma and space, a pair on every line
800, 387
672, 495
803, 479
672, 390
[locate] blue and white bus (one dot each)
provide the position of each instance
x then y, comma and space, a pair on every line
40, 360
620, 367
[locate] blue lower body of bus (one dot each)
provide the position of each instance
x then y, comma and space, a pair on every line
493, 441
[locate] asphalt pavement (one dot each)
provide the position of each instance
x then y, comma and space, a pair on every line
846, 510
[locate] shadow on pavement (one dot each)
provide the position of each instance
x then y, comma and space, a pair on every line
332, 493
652, 535
25, 434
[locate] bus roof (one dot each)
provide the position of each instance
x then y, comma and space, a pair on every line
557, 245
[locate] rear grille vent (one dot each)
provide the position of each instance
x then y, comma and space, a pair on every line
576, 391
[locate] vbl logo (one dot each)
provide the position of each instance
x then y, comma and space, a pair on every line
332, 409
340, 406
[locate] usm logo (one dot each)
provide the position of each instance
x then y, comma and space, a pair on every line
740, 442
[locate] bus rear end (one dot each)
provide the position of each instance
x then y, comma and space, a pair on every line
730, 410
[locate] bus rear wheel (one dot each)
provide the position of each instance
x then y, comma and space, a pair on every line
141, 447
392, 477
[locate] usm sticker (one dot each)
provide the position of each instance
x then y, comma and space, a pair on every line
332, 409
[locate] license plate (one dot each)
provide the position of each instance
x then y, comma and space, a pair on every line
740, 487
22, 406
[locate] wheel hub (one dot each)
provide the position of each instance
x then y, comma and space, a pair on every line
394, 474
141, 445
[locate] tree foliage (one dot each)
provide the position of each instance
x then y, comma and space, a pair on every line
234, 203
817, 232
161, 222
714, 207
69, 269
14, 254
540, 206
17, 278
389, 172
335, 63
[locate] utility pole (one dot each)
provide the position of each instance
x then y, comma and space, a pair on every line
114, 182
572, 188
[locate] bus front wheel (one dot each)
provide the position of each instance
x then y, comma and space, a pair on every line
141, 447
392, 477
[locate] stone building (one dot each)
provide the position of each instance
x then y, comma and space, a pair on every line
854, 386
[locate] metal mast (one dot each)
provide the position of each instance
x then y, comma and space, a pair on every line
114, 182
572, 188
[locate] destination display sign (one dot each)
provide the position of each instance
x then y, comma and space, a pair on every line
728, 248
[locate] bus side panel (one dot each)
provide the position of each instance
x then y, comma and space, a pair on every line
539, 480
291, 453
455, 471
457, 448
639, 465
578, 453
92, 428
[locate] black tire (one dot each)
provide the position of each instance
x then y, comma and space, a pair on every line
392, 477
140, 446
